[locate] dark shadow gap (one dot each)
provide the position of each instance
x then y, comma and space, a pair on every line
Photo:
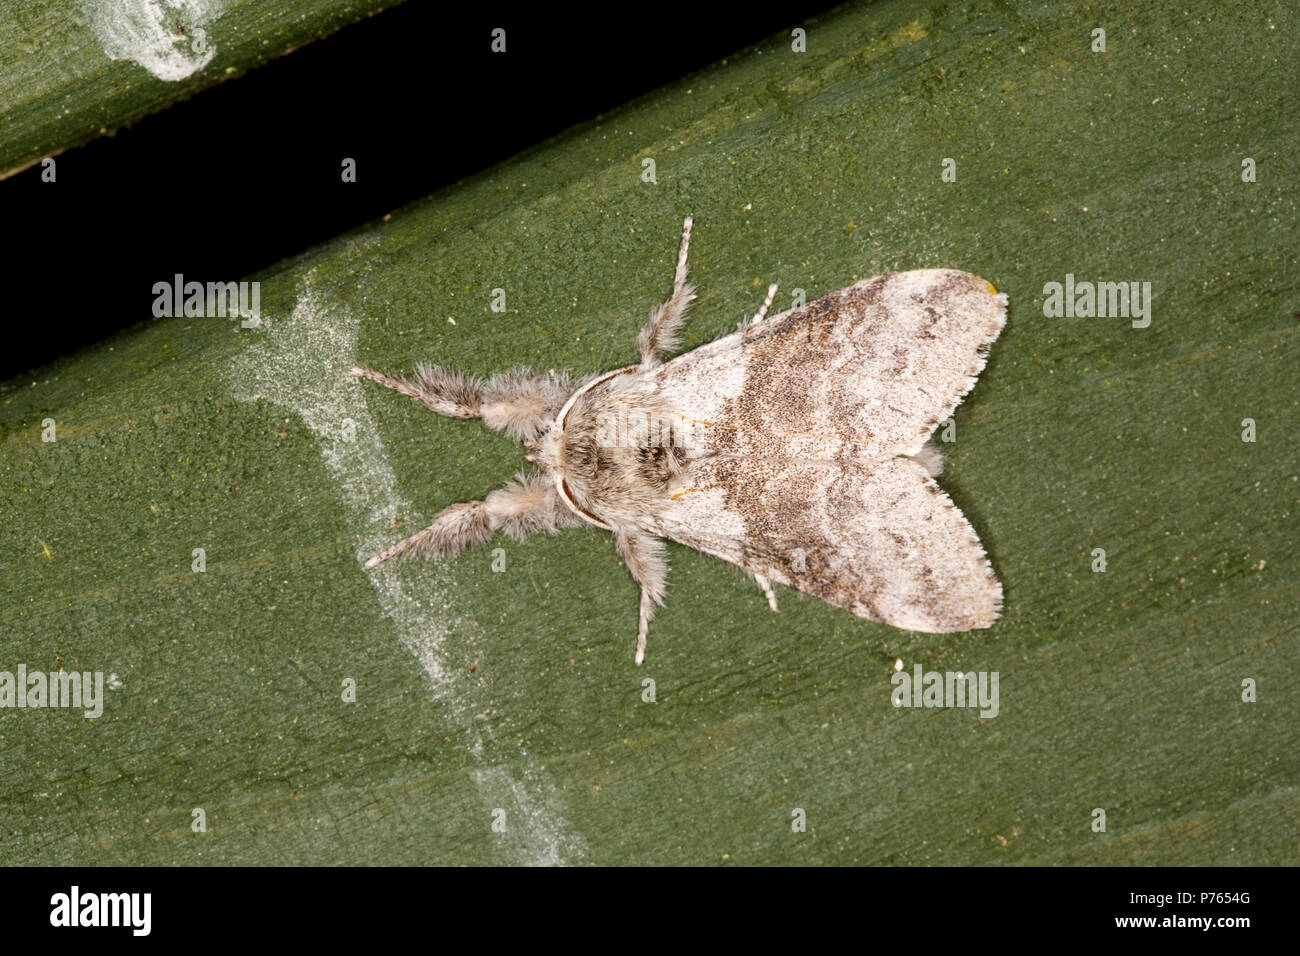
252, 167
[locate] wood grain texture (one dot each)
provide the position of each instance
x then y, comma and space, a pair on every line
516, 690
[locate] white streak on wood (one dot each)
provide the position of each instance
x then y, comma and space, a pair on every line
302, 364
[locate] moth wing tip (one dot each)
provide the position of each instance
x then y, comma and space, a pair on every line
995, 611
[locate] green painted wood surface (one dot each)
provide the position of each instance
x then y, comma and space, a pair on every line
1119, 690
59, 87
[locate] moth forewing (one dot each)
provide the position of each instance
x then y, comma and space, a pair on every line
809, 423
865, 372
791, 448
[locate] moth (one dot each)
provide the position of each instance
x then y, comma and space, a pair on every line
795, 448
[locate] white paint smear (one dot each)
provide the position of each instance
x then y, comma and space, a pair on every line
166, 37
302, 364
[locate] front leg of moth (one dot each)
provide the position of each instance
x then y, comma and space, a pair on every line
526, 505
660, 332
521, 402
766, 585
762, 312
646, 558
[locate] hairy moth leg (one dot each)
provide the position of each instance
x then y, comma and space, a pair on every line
528, 504
660, 332
762, 312
520, 402
766, 585
646, 559
446, 392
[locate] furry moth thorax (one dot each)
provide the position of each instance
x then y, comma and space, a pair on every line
605, 469
794, 448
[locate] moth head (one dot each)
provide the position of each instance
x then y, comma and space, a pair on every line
548, 449
561, 453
